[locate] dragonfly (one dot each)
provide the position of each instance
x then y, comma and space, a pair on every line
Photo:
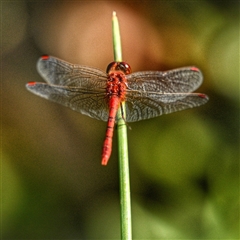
100, 94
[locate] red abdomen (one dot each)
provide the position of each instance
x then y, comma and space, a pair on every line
107, 145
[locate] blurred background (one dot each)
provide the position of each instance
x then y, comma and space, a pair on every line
184, 166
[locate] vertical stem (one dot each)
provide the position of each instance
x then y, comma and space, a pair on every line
117, 48
126, 222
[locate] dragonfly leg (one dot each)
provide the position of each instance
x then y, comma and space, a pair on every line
123, 117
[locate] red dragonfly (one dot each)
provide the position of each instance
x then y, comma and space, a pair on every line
97, 94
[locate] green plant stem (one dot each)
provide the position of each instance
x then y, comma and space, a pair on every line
125, 201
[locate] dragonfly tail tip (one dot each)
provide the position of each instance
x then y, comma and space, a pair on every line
104, 161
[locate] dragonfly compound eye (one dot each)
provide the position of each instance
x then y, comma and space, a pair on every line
111, 67
119, 66
125, 67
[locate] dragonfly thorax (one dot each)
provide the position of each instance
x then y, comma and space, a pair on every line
116, 85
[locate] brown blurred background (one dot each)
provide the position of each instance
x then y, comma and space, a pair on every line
184, 167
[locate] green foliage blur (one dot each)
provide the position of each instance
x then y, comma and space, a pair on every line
184, 167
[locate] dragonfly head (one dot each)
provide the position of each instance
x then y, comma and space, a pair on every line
119, 66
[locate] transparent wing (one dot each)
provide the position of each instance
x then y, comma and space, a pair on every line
141, 106
79, 87
181, 80
58, 72
149, 94
153, 93
92, 104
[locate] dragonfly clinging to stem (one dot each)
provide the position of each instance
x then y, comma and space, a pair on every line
97, 94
